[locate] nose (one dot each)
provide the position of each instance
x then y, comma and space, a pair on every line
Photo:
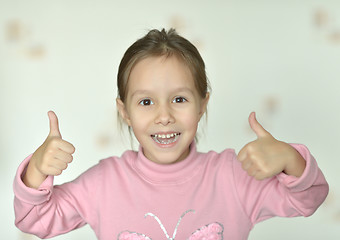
164, 115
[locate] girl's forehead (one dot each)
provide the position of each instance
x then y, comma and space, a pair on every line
161, 72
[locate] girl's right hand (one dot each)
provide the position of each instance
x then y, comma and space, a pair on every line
51, 158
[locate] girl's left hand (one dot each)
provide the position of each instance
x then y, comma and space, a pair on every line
266, 157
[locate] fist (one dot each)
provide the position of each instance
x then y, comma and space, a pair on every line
266, 157
54, 155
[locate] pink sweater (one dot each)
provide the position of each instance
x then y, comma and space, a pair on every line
206, 196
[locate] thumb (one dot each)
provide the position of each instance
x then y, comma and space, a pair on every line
257, 127
54, 125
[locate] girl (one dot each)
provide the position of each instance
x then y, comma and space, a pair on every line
166, 190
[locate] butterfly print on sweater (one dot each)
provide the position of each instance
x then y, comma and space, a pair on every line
212, 231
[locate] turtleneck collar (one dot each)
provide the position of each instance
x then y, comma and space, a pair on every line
167, 174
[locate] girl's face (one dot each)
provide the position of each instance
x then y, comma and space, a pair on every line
163, 108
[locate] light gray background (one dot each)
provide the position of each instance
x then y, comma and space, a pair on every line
278, 58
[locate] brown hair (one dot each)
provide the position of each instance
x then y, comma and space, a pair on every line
162, 43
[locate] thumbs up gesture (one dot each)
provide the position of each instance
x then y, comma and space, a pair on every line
51, 158
266, 157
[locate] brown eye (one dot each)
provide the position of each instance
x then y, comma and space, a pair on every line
146, 102
179, 100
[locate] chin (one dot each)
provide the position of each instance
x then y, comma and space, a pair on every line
167, 154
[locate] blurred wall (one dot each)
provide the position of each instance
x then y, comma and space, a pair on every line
279, 58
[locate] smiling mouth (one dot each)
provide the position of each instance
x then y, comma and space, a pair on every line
165, 138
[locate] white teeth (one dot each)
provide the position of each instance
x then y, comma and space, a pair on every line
165, 138
166, 135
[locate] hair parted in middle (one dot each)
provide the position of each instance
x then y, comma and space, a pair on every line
162, 43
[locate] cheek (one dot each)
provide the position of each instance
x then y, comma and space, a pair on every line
139, 119
190, 119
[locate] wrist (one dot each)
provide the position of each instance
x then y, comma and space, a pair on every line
33, 178
296, 164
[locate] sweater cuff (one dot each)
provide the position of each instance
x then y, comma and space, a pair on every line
307, 179
31, 195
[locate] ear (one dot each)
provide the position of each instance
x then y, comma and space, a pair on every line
204, 104
122, 111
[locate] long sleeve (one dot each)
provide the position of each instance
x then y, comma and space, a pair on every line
52, 210
133, 197
283, 195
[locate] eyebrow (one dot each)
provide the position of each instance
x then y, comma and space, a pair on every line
140, 92
147, 92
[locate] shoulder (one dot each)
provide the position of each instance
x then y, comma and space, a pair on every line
110, 165
226, 156
225, 165
126, 156
118, 161
219, 162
